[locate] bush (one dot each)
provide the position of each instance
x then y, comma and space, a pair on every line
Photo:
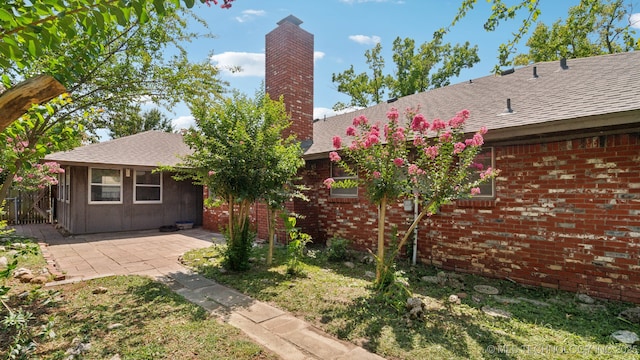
338, 249
238, 251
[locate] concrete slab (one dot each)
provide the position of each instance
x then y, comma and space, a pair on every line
225, 296
259, 312
269, 340
319, 344
284, 324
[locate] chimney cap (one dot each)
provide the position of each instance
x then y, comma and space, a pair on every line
292, 19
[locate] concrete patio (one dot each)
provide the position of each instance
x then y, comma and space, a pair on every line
155, 254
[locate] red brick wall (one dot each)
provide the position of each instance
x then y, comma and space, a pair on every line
289, 72
566, 216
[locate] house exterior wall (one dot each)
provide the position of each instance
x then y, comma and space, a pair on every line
181, 201
566, 215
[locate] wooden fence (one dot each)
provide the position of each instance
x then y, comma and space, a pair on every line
28, 207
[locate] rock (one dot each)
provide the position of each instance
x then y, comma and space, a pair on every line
115, 357
416, 308
367, 259
632, 315
4, 263
455, 283
2, 248
584, 298
454, 299
12, 252
100, 290
506, 300
592, 308
18, 246
369, 274
21, 272
79, 348
114, 326
252, 260
222, 270
442, 277
349, 264
39, 280
26, 278
486, 289
625, 336
462, 295
496, 312
430, 279
476, 298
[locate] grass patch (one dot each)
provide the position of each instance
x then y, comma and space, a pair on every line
544, 323
135, 318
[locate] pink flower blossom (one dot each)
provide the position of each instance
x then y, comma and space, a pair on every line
18, 178
478, 140
9, 140
446, 136
483, 130
431, 151
456, 121
413, 169
486, 173
386, 131
438, 125
477, 166
419, 123
458, 147
337, 142
398, 135
398, 161
376, 174
360, 120
211, 172
418, 141
333, 156
328, 182
475, 191
351, 131
371, 140
393, 115
354, 145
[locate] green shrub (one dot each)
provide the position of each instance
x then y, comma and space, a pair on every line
338, 249
238, 250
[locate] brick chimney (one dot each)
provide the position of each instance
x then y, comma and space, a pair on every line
289, 73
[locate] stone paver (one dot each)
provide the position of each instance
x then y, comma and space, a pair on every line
155, 254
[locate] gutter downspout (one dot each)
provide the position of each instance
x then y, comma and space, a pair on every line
414, 253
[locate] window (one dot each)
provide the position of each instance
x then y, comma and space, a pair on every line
67, 186
147, 188
338, 173
484, 160
105, 186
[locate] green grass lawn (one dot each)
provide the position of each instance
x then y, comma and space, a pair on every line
130, 316
544, 323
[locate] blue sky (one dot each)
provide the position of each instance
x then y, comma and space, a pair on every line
343, 30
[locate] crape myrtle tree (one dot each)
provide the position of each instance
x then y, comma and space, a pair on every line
129, 67
239, 153
31, 29
392, 160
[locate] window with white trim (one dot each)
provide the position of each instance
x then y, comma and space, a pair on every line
338, 173
147, 187
105, 186
483, 161
67, 185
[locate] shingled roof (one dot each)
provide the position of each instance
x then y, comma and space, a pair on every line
591, 92
146, 149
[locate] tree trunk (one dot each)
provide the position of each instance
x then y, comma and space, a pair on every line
382, 209
271, 220
18, 100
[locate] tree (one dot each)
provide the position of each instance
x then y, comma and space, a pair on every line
240, 155
28, 30
591, 17
152, 119
438, 168
594, 27
430, 66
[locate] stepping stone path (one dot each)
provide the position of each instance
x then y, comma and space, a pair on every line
496, 312
625, 336
486, 289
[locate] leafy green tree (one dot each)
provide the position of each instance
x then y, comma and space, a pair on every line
594, 27
129, 124
438, 168
589, 20
241, 156
432, 65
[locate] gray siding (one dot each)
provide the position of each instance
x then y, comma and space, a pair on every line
181, 201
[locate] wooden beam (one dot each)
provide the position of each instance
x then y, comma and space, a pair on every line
16, 101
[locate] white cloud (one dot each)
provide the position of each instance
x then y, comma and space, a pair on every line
249, 15
321, 113
634, 20
365, 40
240, 64
183, 122
318, 55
